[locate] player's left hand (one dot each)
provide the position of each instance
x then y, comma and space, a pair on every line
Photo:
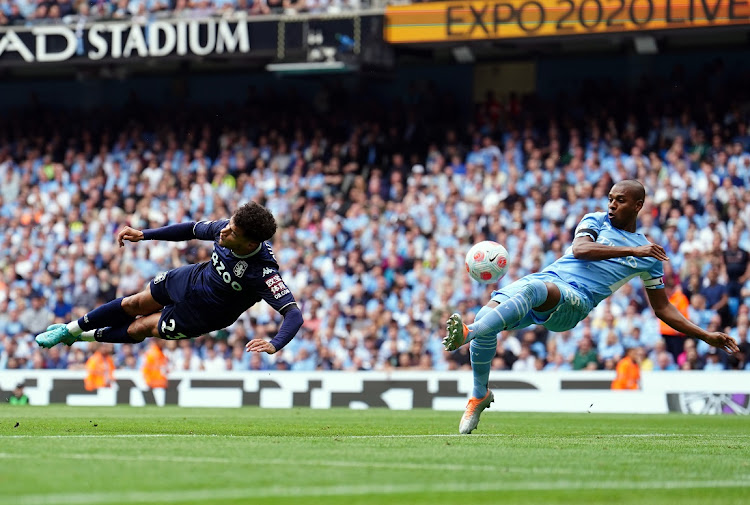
722, 341
260, 345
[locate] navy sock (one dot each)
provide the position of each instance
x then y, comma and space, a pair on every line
116, 335
109, 314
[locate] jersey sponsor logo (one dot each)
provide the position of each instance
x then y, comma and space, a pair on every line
276, 286
239, 268
160, 277
225, 276
267, 271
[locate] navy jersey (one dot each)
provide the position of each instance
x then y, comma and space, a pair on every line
232, 283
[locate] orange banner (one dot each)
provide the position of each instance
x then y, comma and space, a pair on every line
449, 21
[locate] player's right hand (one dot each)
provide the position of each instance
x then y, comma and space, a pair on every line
722, 341
651, 251
129, 234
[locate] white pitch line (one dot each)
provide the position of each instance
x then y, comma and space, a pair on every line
282, 462
355, 437
214, 495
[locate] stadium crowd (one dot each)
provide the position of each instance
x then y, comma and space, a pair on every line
30, 12
377, 205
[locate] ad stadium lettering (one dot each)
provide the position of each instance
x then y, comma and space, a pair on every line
489, 19
125, 40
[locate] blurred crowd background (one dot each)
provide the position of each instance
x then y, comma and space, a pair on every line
377, 205
34, 12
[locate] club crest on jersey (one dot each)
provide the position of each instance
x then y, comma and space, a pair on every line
267, 271
160, 277
239, 268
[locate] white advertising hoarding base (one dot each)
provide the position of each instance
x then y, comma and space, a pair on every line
688, 392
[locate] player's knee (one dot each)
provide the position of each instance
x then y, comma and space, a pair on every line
553, 295
140, 304
138, 330
538, 291
130, 305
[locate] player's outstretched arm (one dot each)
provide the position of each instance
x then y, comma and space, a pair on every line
584, 248
172, 233
289, 327
668, 313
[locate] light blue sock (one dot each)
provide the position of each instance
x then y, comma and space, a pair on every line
511, 311
483, 349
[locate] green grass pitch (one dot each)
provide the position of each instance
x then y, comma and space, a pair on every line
125, 455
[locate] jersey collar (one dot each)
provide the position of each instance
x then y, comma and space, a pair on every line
247, 255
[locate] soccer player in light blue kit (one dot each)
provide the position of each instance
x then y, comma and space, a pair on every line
606, 253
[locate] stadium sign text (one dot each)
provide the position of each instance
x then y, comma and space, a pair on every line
55, 43
449, 21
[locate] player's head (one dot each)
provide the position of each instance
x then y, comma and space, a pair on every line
250, 225
625, 201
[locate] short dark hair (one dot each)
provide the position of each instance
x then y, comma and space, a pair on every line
635, 188
255, 222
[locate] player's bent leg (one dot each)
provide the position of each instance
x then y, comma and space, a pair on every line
573, 307
553, 297
132, 333
141, 304
512, 311
145, 327
475, 407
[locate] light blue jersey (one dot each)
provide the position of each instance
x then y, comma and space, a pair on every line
603, 277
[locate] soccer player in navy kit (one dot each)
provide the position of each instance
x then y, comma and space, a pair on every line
192, 300
606, 253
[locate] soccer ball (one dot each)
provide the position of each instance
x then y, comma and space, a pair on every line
487, 262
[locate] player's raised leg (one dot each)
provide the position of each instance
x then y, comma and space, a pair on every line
491, 320
534, 293
115, 314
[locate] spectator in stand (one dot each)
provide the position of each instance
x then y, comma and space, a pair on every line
737, 265
628, 371
674, 340
715, 293
100, 367
155, 365
713, 361
37, 317
585, 357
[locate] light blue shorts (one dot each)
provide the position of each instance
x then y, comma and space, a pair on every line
575, 304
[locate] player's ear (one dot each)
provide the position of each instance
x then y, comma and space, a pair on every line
638, 205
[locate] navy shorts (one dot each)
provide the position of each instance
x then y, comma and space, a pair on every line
185, 315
